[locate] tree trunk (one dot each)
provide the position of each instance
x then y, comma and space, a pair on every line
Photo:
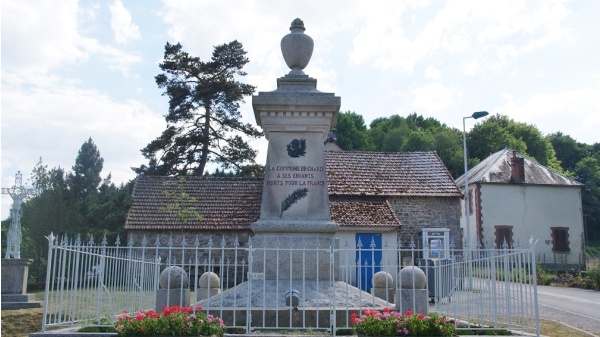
204, 154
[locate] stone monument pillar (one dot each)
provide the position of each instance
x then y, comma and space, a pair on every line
296, 119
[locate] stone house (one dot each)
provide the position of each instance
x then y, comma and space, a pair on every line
385, 197
513, 199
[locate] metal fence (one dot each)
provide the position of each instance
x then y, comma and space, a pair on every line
315, 287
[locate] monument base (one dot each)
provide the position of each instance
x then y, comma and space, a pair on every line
14, 285
277, 256
16, 302
311, 294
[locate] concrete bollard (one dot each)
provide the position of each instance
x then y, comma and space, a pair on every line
412, 294
174, 288
383, 286
208, 286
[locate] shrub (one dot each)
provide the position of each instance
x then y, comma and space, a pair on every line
392, 323
175, 320
594, 275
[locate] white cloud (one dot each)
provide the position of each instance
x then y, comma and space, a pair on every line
38, 36
573, 112
433, 73
36, 44
54, 123
123, 28
434, 97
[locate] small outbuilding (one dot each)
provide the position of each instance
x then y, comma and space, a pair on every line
513, 198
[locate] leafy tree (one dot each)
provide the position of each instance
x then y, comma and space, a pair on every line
498, 132
418, 140
587, 171
352, 132
86, 171
568, 150
492, 136
71, 203
203, 123
448, 145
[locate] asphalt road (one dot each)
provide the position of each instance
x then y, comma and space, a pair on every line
578, 308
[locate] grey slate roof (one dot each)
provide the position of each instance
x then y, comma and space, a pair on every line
359, 183
496, 169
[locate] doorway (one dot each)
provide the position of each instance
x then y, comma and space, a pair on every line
368, 259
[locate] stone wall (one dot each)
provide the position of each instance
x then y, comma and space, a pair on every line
416, 213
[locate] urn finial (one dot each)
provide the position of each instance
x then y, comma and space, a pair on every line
297, 48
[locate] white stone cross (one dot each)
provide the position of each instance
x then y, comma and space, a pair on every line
18, 193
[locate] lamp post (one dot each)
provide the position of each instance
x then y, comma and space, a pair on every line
475, 115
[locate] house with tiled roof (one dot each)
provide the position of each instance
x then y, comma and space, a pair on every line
386, 197
513, 198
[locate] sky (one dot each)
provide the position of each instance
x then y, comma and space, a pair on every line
73, 70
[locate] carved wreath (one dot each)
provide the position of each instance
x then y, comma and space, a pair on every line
297, 148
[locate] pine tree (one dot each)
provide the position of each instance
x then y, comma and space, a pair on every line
203, 123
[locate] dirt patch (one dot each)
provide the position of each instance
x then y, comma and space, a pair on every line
20, 323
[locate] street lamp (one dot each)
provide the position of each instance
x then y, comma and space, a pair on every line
475, 115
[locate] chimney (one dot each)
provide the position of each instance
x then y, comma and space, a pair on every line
517, 169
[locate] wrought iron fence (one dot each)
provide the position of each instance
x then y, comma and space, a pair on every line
288, 285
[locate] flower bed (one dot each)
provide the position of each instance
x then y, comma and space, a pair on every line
173, 321
393, 323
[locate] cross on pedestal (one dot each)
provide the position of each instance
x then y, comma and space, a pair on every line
18, 193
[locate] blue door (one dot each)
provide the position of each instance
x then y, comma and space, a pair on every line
368, 259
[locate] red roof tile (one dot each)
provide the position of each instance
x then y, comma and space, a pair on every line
388, 174
359, 183
362, 212
223, 203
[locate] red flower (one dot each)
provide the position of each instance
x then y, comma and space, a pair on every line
386, 310
409, 313
420, 316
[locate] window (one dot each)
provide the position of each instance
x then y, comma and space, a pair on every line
560, 239
504, 236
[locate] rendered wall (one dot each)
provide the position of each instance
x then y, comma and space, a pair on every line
532, 211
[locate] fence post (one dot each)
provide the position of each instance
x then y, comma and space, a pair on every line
248, 294
51, 245
333, 314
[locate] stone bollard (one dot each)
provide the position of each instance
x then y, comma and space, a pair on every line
412, 294
208, 286
174, 288
383, 286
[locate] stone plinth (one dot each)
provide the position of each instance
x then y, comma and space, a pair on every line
171, 297
415, 300
14, 285
204, 293
278, 256
14, 275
